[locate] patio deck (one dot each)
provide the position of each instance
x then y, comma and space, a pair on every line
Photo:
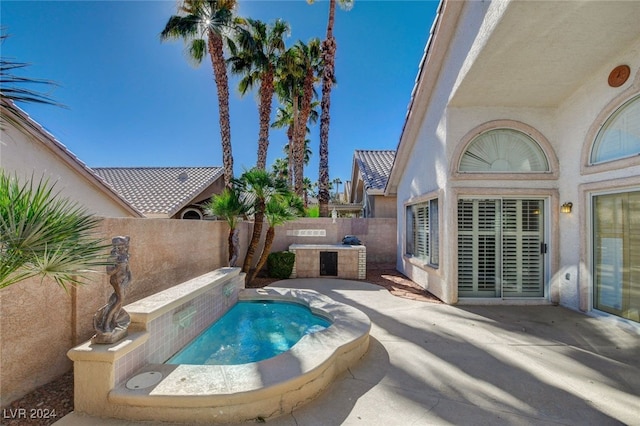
435, 364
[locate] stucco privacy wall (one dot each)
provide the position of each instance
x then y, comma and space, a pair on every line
40, 322
377, 234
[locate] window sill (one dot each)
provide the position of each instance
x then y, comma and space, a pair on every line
415, 261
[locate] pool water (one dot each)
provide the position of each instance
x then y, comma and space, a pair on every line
251, 331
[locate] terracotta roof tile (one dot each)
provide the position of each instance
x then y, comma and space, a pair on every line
375, 167
159, 190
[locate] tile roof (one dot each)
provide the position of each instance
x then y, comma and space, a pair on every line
159, 190
375, 167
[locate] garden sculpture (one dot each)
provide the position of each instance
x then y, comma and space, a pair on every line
111, 321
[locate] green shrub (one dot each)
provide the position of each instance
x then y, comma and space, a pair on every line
313, 211
280, 264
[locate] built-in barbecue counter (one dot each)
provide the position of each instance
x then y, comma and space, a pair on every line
329, 261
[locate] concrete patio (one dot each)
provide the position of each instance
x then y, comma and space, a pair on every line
434, 364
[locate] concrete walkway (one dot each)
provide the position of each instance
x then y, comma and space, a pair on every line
434, 364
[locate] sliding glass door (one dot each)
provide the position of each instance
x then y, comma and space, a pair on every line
616, 257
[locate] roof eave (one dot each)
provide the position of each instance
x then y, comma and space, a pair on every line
442, 32
27, 124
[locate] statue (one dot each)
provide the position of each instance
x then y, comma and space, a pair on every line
111, 321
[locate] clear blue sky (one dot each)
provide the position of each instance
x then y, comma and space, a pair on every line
134, 101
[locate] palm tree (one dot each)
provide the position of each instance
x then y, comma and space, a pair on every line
310, 62
204, 26
229, 206
280, 168
284, 118
12, 87
258, 60
42, 234
308, 187
328, 56
278, 210
289, 90
258, 186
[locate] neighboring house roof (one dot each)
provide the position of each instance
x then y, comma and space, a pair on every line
374, 167
12, 114
160, 190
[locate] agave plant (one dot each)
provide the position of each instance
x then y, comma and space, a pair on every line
43, 234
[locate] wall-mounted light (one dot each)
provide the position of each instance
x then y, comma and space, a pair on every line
566, 207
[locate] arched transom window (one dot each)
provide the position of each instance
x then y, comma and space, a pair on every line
619, 137
503, 151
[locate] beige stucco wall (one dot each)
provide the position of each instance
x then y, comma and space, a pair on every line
377, 234
40, 322
28, 153
384, 206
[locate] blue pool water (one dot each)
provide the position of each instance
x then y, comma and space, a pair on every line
251, 331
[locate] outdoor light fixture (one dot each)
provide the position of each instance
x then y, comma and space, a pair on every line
566, 207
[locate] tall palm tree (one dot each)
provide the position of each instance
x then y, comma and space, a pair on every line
279, 209
257, 60
289, 89
204, 26
329, 47
284, 118
42, 234
229, 206
310, 62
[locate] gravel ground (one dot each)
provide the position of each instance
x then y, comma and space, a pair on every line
51, 402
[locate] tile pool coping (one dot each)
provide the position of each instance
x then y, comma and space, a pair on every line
261, 390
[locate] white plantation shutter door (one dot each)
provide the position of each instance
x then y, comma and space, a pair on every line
522, 268
478, 252
499, 248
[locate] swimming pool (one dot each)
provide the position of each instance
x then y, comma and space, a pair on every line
251, 331
131, 380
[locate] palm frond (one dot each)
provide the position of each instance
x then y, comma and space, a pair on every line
43, 234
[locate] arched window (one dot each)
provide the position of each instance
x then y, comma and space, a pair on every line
191, 213
619, 136
503, 151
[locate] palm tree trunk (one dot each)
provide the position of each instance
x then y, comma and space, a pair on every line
268, 242
258, 218
292, 143
328, 54
290, 130
303, 117
222, 83
266, 96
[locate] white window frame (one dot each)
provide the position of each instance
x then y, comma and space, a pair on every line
597, 154
426, 212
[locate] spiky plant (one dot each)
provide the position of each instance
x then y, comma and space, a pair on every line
43, 234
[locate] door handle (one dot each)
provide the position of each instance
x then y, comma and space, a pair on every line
543, 248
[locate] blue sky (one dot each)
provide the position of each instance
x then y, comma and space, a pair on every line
134, 101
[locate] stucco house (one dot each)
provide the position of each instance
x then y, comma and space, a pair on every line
517, 173
166, 192
369, 176
28, 151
